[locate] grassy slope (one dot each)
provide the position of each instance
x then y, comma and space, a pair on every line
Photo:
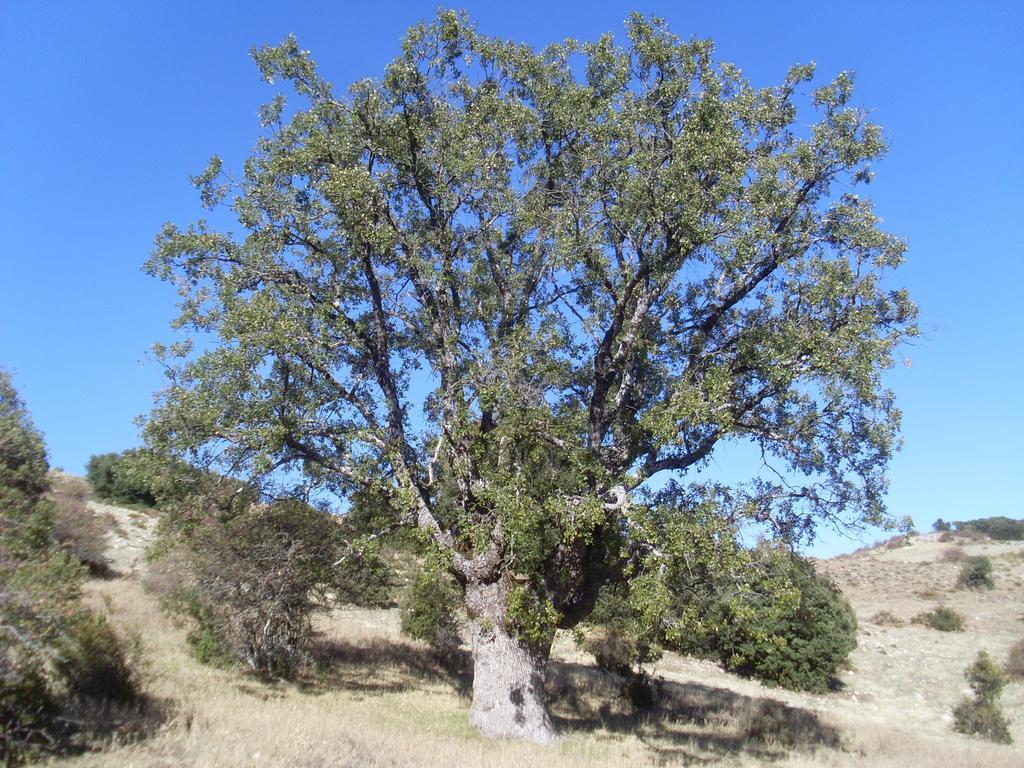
382, 701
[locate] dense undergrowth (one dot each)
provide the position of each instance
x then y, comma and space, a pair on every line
60, 663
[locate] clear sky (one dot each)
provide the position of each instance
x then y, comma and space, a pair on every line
108, 107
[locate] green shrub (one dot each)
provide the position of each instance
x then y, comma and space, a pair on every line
943, 619
981, 715
112, 480
211, 645
941, 526
427, 610
95, 663
765, 613
802, 648
981, 718
28, 712
976, 573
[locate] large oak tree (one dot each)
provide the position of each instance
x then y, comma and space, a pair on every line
508, 291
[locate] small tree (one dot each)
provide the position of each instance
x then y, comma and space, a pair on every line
802, 647
113, 478
976, 573
941, 526
505, 289
982, 715
428, 610
766, 614
252, 576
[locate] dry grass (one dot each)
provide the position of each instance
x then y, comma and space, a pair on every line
375, 699
1014, 666
952, 555
887, 619
76, 527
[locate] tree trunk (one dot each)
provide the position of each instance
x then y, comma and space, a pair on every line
508, 674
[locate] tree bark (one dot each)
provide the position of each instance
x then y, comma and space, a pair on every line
508, 674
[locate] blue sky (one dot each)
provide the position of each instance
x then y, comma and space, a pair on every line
108, 107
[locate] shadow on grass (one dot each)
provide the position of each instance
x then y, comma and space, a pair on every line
92, 726
385, 666
690, 722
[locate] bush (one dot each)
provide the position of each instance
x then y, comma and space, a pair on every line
981, 715
941, 526
896, 542
111, 479
952, 555
981, 718
28, 712
1014, 667
942, 619
76, 528
887, 619
765, 613
95, 663
427, 611
976, 573
251, 577
612, 637
801, 649
53, 649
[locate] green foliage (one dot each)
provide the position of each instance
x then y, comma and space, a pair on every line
976, 573
982, 718
54, 652
111, 479
210, 640
999, 528
28, 712
613, 634
608, 261
26, 516
801, 648
533, 618
942, 619
764, 612
252, 576
982, 715
140, 478
985, 678
428, 609
941, 526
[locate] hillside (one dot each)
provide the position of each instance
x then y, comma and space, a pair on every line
380, 700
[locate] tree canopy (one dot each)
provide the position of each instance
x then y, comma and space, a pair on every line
511, 292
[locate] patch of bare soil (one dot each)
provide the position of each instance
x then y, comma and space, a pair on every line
131, 534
